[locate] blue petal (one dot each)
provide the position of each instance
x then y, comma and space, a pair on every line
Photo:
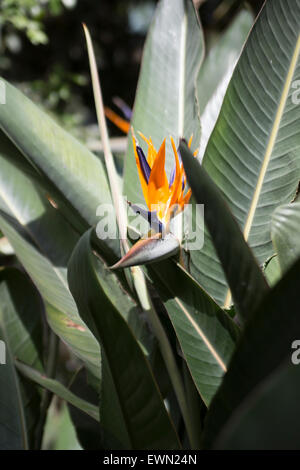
144, 164
173, 172
179, 155
151, 217
180, 161
126, 110
172, 176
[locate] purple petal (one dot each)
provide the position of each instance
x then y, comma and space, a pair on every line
179, 155
172, 176
126, 110
180, 161
143, 162
151, 217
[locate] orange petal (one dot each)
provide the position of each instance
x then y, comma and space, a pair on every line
158, 186
151, 153
185, 199
176, 187
151, 149
117, 120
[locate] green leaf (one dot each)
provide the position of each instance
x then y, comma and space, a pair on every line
21, 330
253, 152
142, 420
60, 390
22, 310
43, 242
87, 429
13, 431
272, 270
266, 418
266, 342
216, 72
207, 335
244, 276
165, 102
222, 57
285, 230
77, 176
59, 431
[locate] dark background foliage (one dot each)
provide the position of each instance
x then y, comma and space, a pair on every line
43, 48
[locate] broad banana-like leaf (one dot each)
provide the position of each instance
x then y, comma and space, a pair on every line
139, 417
266, 342
243, 274
149, 250
21, 330
60, 390
206, 334
253, 153
216, 72
166, 102
43, 242
76, 175
222, 57
285, 234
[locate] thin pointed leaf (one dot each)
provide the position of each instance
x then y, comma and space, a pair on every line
109, 162
60, 390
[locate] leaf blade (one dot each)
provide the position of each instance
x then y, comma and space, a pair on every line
244, 276
252, 154
124, 356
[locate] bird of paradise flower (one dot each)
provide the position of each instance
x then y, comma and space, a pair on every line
165, 198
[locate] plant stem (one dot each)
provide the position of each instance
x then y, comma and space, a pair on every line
47, 395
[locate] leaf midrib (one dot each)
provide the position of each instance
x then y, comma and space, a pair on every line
202, 335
